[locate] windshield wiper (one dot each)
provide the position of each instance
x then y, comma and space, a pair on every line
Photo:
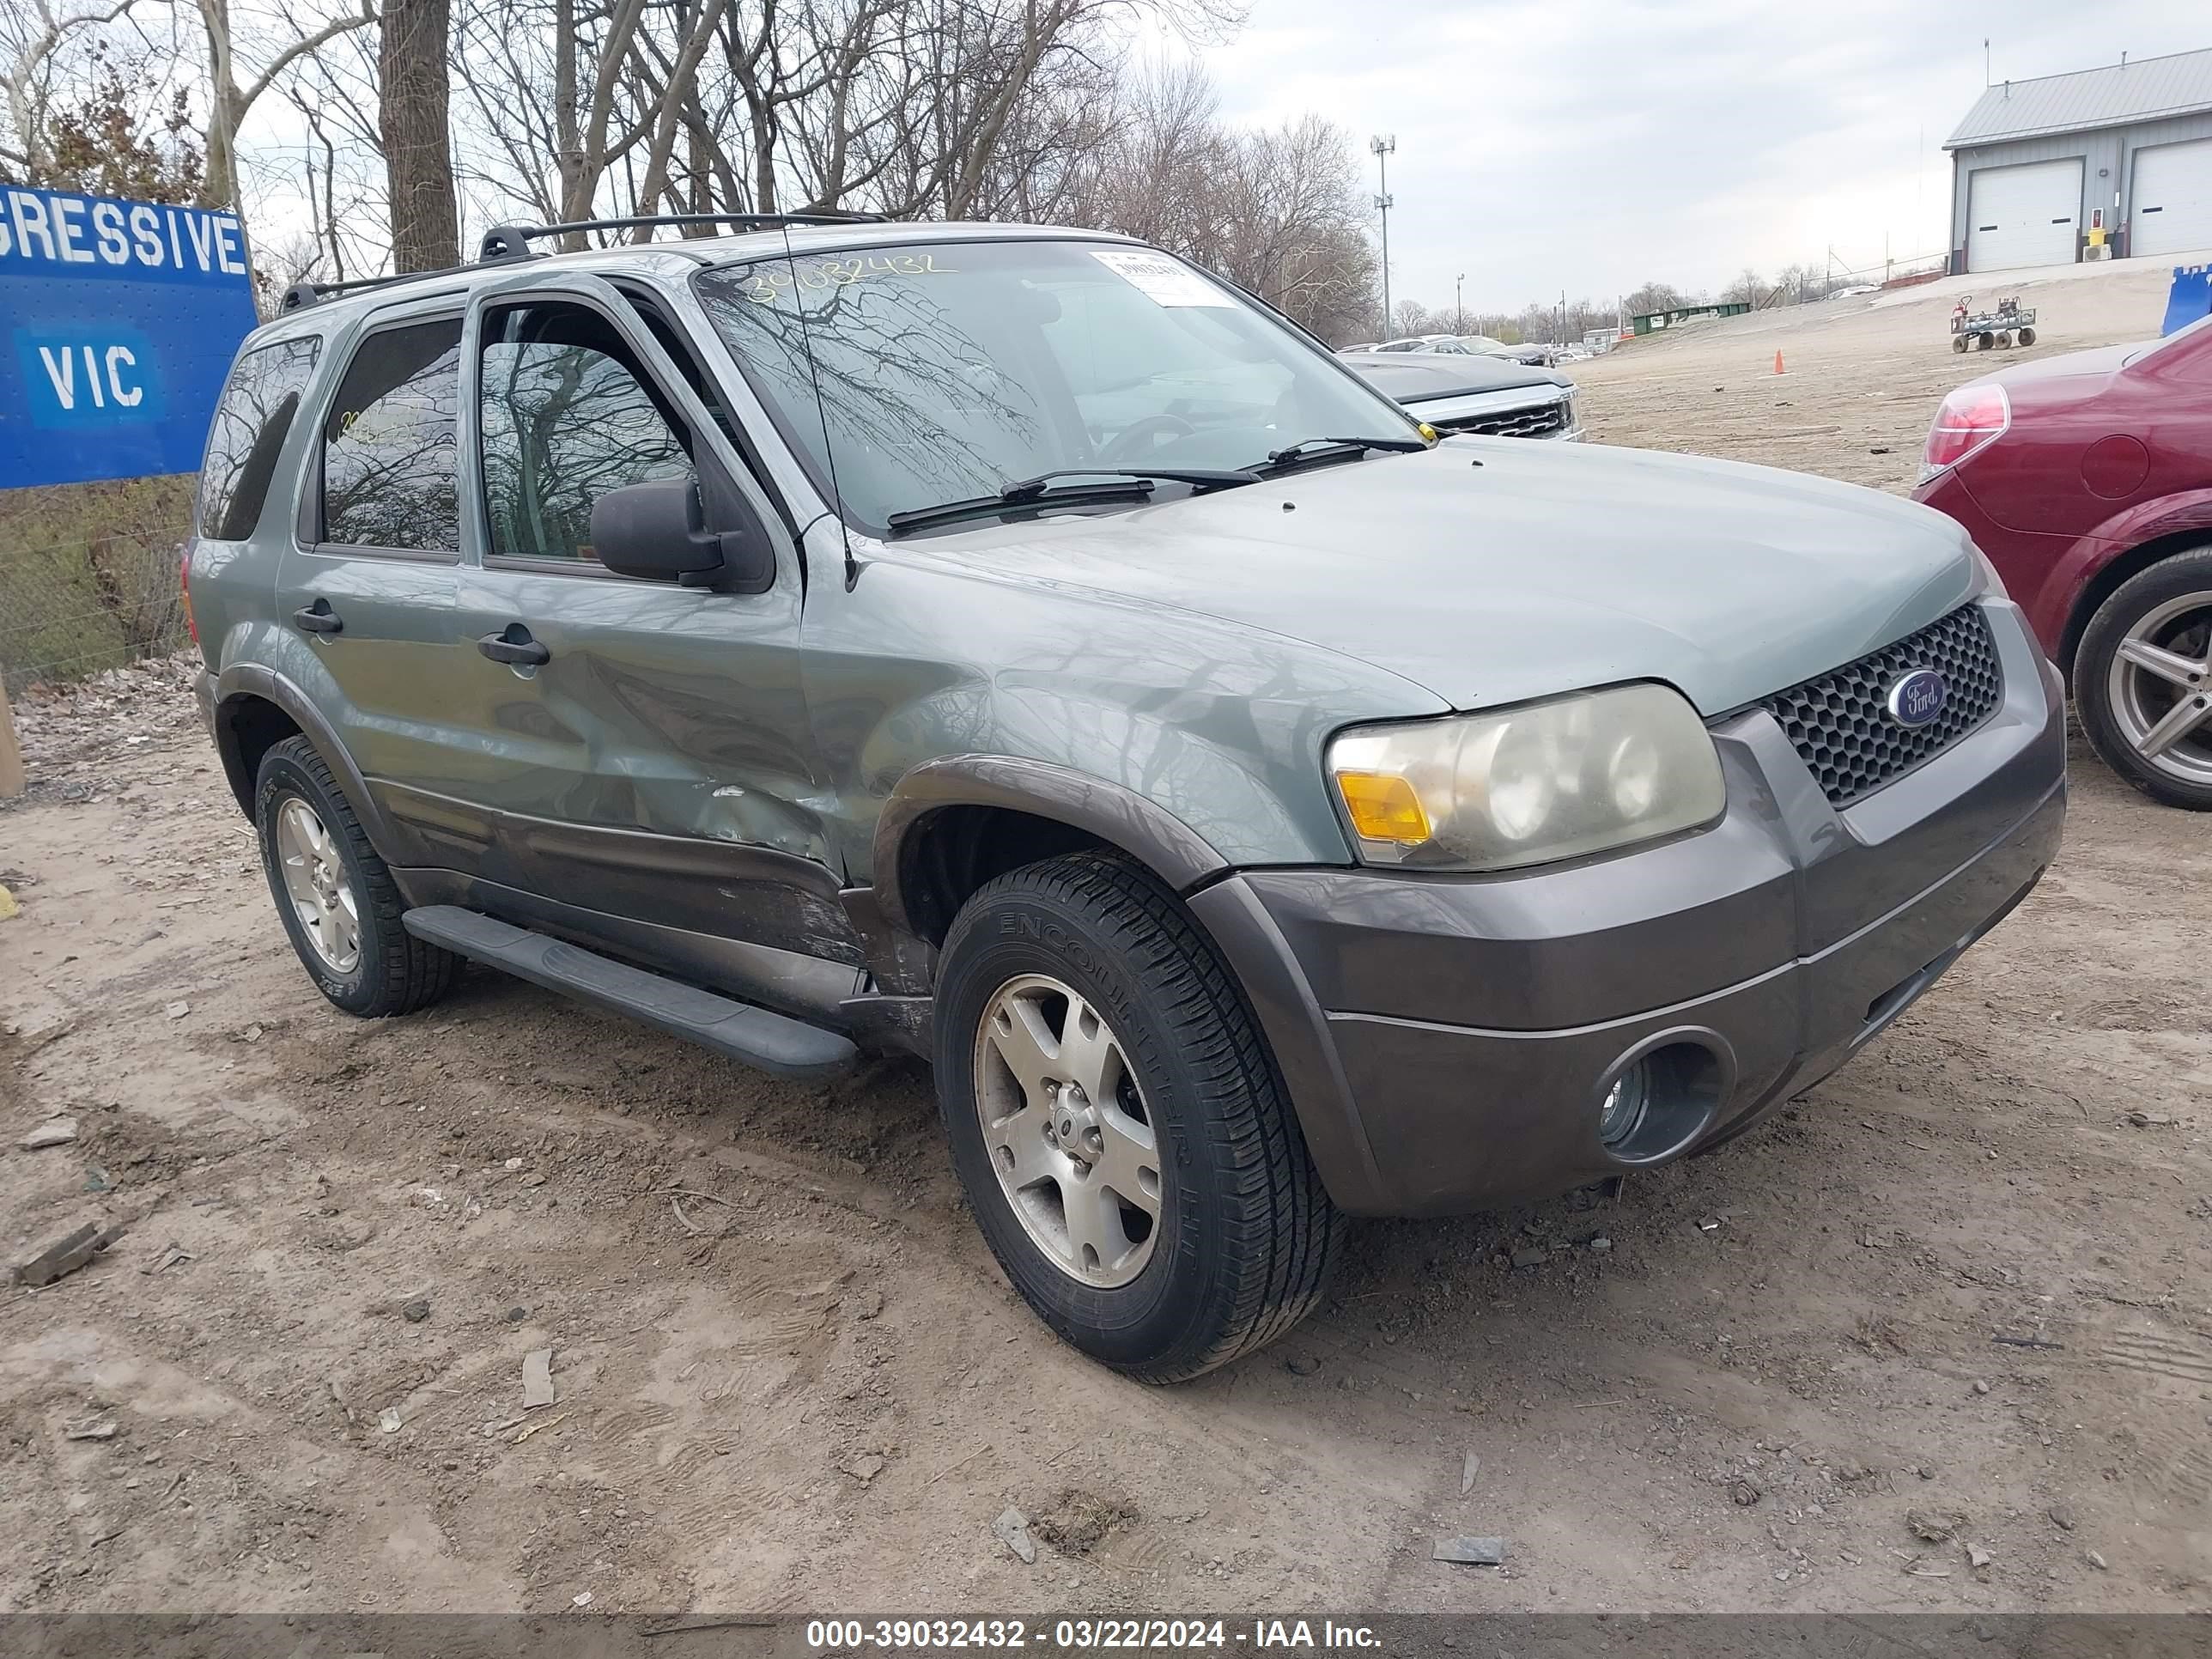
1113, 483
1323, 449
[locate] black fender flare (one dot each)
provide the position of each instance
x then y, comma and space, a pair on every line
1222, 906
244, 680
1163, 843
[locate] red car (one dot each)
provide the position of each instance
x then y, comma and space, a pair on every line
2088, 481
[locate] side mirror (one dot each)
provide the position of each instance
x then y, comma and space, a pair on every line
660, 531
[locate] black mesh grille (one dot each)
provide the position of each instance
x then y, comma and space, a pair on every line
1539, 420
1840, 722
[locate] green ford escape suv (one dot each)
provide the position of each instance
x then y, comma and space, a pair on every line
1015, 647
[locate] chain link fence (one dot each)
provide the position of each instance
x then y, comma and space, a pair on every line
76, 608
92, 588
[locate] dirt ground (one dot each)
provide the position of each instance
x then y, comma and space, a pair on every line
1938, 1338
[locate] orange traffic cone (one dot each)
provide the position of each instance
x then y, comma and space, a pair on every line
1778, 369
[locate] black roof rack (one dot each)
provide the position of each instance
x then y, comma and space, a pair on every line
512, 241
300, 296
505, 243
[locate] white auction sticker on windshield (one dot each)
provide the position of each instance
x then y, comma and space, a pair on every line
1162, 281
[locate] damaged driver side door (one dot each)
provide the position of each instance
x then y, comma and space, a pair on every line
647, 782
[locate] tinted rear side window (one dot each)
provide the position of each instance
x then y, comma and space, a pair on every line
389, 455
251, 424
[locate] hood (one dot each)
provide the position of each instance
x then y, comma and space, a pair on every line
1414, 377
1492, 570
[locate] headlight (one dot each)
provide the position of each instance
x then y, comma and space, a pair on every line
1545, 780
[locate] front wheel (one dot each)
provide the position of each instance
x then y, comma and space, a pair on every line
2142, 681
1116, 1121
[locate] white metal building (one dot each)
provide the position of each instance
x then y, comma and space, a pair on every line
2039, 166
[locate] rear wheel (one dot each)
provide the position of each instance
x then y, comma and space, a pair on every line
2027, 336
1117, 1122
2142, 681
335, 895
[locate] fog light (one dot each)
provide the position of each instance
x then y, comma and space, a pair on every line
1625, 1104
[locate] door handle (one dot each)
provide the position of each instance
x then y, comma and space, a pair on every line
317, 618
514, 646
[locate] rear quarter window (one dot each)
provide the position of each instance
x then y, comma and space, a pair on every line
252, 421
390, 461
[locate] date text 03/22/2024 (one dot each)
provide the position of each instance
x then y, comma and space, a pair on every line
829, 1636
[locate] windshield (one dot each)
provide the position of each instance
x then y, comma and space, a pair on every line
956, 369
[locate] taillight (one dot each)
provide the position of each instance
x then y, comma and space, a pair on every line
184, 585
1972, 418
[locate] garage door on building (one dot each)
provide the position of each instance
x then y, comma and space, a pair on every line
2023, 216
2173, 198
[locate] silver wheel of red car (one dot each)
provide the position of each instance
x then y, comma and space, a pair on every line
2161, 687
2143, 681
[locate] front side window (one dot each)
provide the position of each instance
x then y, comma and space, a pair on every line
252, 422
567, 414
389, 443
952, 370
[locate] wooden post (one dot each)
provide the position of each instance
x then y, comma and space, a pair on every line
11, 753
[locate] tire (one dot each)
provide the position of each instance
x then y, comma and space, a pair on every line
1242, 1236
388, 970
2027, 336
2167, 607
1959, 343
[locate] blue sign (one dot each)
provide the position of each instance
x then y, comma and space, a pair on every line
121, 319
2189, 299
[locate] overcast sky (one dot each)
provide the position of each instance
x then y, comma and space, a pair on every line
1594, 144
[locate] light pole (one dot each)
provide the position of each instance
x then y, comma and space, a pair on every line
1384, 146
1459, 303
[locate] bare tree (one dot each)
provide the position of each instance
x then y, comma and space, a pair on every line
230, 99
33, 33
1276, 211
121, 131
418, 151
340, 171
1749, 287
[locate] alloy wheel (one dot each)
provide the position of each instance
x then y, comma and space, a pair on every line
2160, 688
1075, 1148
315, 882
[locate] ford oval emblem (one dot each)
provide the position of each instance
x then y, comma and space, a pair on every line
1916, 698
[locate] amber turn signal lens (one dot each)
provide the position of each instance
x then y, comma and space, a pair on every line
1382, 807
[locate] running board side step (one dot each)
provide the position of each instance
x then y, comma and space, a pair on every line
771, 1041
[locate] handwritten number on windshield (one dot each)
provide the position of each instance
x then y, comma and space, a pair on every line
765, 287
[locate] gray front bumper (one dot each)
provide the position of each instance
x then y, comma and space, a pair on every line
1445, 1039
